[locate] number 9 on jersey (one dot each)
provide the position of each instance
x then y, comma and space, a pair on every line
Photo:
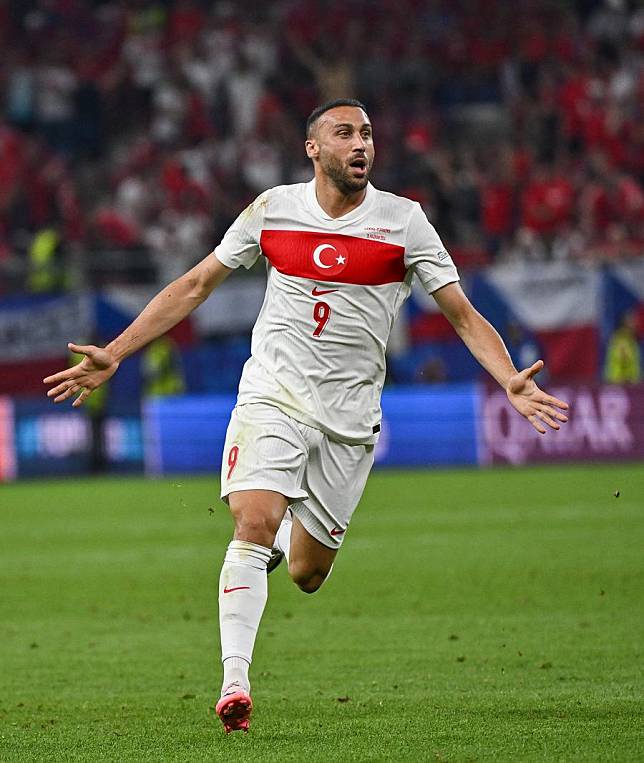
321, 315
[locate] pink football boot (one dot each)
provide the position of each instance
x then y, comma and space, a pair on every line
234, 708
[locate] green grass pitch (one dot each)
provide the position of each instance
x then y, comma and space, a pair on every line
494, 615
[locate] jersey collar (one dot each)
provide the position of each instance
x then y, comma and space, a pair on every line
352, 216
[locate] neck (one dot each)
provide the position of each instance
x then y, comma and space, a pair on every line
333, 201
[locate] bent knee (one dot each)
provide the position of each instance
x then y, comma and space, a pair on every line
306, 580
310, 584
256, 529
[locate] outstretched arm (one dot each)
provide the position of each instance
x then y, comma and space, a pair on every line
169, 307
486, 345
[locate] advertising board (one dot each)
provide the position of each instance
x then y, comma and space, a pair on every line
420, 427
606, 424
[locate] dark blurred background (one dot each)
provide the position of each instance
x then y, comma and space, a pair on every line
133, 133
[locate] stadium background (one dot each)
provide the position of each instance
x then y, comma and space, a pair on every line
133, 133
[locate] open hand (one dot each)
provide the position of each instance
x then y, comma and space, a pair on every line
534, 403
95, 368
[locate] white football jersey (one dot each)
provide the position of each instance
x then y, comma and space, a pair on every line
334, 289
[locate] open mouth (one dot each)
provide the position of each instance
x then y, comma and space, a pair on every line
359, 166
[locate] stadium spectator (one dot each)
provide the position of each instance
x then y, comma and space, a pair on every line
161, 369
623, 361
527, 128
46, 269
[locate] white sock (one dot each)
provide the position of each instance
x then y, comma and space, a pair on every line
243, 592
283, 536
235, 672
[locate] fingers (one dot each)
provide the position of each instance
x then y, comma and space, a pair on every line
64, 391
55, 392
67, 394
548, 416
85, 393
82, 349
534, 369
542, 397
82, 378
61, 376
550, 400
554, 413
68, 380
547, 420
68, 389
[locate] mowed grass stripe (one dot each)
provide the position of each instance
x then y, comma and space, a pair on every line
472, 615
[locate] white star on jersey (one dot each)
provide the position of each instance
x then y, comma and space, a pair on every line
322, 360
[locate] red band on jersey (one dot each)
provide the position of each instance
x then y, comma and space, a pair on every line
334, 257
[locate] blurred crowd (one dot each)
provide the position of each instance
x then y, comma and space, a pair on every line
132, 133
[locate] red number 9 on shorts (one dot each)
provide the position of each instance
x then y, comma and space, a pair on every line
232, 459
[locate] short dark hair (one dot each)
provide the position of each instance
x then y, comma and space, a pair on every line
319, 110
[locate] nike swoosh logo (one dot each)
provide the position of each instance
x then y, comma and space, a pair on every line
319, 292
337, 531
237, 588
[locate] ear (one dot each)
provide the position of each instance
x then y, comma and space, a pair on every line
312, 148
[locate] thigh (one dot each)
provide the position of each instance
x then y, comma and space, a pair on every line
334, 479
264, 451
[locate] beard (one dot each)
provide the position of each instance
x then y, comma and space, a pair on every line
340, 174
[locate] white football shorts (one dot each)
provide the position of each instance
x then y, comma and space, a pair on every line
322, 479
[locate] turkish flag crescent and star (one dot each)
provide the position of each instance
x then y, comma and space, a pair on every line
334, 257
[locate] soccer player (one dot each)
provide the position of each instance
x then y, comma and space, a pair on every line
340, 257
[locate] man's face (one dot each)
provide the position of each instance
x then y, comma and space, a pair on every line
342, 142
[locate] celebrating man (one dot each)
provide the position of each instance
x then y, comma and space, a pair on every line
340, 257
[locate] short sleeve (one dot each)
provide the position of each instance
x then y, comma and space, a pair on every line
240, 244
425, 253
